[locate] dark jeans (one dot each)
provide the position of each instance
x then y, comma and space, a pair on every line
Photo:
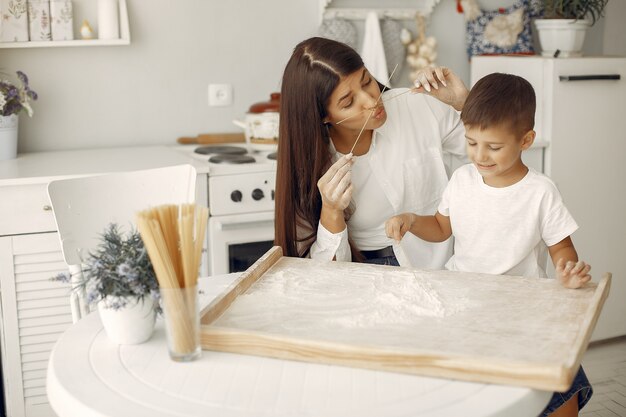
387, 260
580, 386
384, 256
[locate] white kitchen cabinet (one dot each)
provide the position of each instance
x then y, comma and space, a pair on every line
580, 115
35, 311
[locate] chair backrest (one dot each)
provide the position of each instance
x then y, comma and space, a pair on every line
83, 207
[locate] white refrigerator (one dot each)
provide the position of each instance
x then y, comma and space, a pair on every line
581, 130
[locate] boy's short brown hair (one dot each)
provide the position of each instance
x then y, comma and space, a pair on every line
501, 100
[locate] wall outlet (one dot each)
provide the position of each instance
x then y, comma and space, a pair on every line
220, 95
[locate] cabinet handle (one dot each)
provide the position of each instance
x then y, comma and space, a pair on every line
589, 77
47, 208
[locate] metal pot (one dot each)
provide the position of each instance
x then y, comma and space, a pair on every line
261, 124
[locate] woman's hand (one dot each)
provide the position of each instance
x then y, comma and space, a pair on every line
443, 84
397, 226
336, 185
572, 274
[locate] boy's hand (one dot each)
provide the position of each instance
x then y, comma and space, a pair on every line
397, 226
572, 274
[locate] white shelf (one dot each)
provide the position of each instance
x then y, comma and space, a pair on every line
421, 7
79, 42
124, 37
361, 13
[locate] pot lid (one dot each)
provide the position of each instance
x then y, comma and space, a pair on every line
267, 106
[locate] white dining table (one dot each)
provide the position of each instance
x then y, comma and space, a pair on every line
90, 376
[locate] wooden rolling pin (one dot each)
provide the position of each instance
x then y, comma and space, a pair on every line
208, 138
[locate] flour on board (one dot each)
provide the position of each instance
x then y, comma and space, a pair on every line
303, 298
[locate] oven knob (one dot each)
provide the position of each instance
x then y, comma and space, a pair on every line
236, 196
257, 194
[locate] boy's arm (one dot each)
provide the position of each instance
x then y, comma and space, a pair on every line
429, 228
571, 272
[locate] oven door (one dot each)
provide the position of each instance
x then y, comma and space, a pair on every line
237, 241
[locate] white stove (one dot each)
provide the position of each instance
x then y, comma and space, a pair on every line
210, 153
239, 188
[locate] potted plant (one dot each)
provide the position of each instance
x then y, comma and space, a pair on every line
14, 98
119, 278
564, 24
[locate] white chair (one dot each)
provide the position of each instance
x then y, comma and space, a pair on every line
83, 207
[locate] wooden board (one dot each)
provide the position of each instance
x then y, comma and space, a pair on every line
477, 327
213, 138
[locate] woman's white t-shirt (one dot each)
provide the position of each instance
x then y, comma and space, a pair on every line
406, 160
365, 227
504, 230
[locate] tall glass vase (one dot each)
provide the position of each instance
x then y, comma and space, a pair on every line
8, 136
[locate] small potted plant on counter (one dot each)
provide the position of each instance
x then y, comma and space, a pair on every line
119, 277
564, 24
14, 99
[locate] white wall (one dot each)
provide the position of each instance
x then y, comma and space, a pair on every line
155, 90
614, 28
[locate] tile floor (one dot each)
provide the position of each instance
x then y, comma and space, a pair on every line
605, 366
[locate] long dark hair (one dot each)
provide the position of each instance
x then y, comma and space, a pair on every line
311, 75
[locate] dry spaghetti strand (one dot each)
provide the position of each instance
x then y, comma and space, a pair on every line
173, 237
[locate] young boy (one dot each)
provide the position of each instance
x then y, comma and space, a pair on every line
503, 214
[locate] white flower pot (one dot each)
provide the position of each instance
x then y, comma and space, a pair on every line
129, 325
8, 136
565, 35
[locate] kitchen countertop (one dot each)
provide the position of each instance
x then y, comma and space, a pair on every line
41, 167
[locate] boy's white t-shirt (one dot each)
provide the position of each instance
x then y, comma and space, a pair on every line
504, 230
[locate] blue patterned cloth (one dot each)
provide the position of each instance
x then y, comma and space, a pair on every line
475, 39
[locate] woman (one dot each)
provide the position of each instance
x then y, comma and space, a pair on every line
334, 193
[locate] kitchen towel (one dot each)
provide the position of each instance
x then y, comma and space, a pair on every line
395, 51
373, 51
339, 30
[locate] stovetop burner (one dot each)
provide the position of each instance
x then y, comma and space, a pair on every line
231, 159
272, 156
221, 150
